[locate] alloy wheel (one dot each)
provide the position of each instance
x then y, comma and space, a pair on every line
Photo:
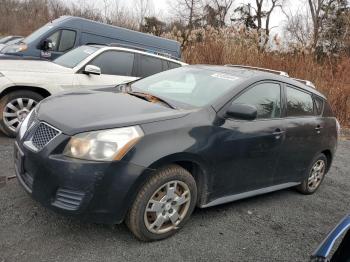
316, 174
167, 207
16, 111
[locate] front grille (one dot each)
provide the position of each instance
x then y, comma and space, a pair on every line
43, 135
68, 199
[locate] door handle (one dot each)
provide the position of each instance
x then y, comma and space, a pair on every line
277, 133
318, 129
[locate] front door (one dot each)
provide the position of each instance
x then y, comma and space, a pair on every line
248, 151
61, 41
117, 67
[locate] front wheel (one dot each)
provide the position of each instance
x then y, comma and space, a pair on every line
14, 107
163, 204
316, 174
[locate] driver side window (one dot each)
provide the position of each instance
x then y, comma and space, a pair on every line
62, 40
266, 97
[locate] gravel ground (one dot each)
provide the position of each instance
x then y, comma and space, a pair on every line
281, 226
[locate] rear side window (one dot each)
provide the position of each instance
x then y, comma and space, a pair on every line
299, 103
265, 97
67, 40
327, 111
149, 66
318, 105
173, 65
115, 63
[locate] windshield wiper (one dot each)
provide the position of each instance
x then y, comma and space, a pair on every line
151, 98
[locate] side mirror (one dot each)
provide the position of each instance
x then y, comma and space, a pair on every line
242, 111
47, 45
91, 69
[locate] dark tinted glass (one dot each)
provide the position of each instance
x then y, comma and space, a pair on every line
149, 66
67, 40
54, 38
327, 111
319, 105
265, 97
115, 63
299, 103
173, 65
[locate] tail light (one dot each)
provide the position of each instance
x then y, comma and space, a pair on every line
338, 127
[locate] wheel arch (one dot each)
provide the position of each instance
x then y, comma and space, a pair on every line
329, 156
190, 162
195, 166
39, 90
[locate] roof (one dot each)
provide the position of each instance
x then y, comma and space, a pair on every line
257, 75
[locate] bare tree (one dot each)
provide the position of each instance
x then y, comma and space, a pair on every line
223, 6
189, 11
143, 8
122, 16
258, 17
297, 29
216, 12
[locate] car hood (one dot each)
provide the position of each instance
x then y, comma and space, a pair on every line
78, 112
32, 66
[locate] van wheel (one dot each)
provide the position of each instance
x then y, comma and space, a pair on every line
163, 204
316, 174
14, 107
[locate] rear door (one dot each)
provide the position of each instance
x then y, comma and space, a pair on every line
248, 151
303, 138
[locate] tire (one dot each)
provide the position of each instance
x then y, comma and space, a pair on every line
313, 180
29, 100
143, 222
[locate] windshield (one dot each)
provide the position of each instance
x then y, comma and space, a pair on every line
36, 34
14, 41
74, 57
193, 86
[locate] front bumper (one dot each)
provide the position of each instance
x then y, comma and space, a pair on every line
99, 192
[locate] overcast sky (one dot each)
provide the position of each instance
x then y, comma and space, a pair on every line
162, 9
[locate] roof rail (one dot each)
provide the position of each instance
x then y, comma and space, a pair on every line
167, 55
282, 73
306, 82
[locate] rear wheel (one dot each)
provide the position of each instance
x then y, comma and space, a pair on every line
14, 107
316, 174
163, 204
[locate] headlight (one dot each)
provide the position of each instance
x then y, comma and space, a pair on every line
105, 145
14, 48
24, 125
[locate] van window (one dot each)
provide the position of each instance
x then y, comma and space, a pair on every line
115, 63
54, 38
266, 97
67, 40
149, 66
299, 103
62, 40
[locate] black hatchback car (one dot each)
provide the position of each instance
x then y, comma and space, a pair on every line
150, 151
